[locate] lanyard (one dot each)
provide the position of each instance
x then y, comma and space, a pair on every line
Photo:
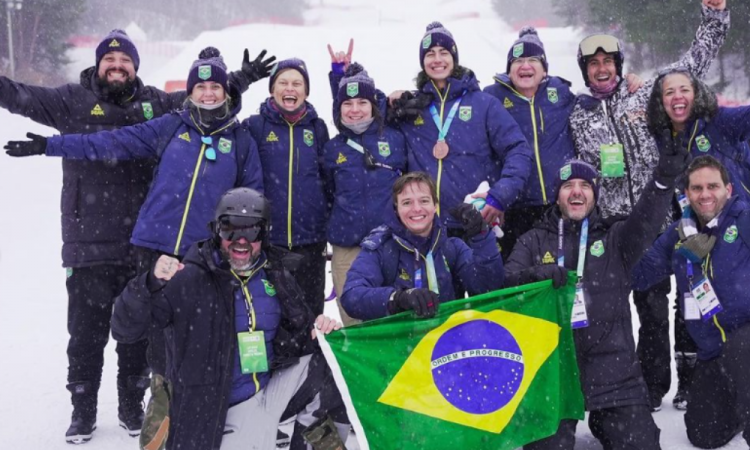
248, 296
431, 274
443, 128
581, 246
369, 160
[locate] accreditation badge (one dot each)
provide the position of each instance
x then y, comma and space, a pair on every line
252, 347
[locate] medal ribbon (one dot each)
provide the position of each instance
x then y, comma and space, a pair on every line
443, 128
581, 247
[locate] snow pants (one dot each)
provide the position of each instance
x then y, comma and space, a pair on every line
654, 351
311, 275
719, 405
622, 428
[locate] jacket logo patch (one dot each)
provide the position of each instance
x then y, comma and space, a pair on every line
419, 120
518, 50
702, 143
307, 136
597, 248
97, 110
114, 43
148, 110
352, 89
384, 149
225, 145
731, 234
204, 72
272, 137
341, 159
552, 95
185, 136
507, 103
270, 290
403, 275
464, 113
548, 259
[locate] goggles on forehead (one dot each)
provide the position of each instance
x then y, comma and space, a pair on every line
606, 42
671, 70
235, 228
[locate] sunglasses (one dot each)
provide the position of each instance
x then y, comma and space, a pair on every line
210, 152
592, 44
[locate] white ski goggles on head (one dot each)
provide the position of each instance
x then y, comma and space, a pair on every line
606, 42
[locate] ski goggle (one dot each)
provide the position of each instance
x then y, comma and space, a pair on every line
236, 228
606, 42
210, 152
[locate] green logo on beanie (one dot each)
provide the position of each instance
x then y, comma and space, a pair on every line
427, 41
204, 72
352, 89
565, 172
552, 95
518, 50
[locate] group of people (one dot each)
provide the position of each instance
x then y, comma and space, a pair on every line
204, 237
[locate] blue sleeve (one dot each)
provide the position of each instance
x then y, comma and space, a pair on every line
656, 264
510, 146
329, 167
364, 295
333, 79
252, 174
137, 310
479, 265
322, 139
134, 142
734, 122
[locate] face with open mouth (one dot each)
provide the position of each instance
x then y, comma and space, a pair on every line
289, 90
526, 74
576, 199
601, 70
356, 110
208, 93
241, 254
707, 193
438, 64
416, 208
116, 68
677, 98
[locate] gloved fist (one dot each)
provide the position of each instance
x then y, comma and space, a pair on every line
673, 159
408, 106
36, 146
470, 218
422, 301
258, 68
558, 274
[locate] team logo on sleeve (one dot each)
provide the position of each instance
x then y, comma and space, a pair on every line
384, 149
148, 110
352, 89
702, 143
597, 248
552, 95
225, 145
307, 136
731, 234
464, 113
204, 72
518, 50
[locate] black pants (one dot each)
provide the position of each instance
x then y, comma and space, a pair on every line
311, 275
654, 351
91, 293
518, 222
622, 428
719, 405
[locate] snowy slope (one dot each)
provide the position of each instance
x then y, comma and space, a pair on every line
34, 405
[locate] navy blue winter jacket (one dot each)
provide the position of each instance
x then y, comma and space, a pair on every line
725, 138
485, 144
544, 122
391, 256
187, 184
291, 155
727, 267
197, 309
100, 199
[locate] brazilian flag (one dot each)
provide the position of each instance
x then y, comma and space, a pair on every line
494, 372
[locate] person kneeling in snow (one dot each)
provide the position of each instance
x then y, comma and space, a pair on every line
238, 336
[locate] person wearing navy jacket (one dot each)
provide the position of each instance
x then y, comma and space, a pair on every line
201, 152
99, 203
410, 263
464, 136
361, 163
708, 250
290, 139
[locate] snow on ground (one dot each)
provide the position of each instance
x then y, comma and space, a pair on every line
34, 405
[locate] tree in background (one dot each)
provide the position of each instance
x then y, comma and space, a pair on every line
40, 34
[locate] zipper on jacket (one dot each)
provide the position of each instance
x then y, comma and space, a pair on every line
289, 187
440, 161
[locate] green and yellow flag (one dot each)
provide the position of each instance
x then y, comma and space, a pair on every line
491, 372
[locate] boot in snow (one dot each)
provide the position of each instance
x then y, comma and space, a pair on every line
83, 395
130, 394
685, 367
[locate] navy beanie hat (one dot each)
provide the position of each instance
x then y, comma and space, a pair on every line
435, 35
117, 41
208, 67
528, 44
577, 169
356, 84
291, 63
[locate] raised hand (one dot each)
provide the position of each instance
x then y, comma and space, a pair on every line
36, 146
341, 59
673, 158
166, 267
258, 68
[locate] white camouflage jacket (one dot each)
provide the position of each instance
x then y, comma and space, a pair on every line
621, 118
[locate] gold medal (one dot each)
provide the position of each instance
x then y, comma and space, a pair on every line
440, 150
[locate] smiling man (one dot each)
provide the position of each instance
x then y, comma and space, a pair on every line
611, 133
708, 252
574, 236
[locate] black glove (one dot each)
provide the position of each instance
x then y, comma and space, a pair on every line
36, 146
408, 106
424, 302
258, 68
673, 159
470, 218
558, 274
